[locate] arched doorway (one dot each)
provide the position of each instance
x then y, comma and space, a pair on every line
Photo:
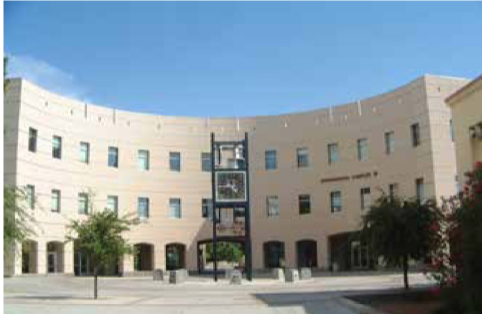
143, 257
29, 257
175, 256
274, 254
84, 267
307, 254
55, 257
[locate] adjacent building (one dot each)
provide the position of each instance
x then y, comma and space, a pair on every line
312, 175
466, 105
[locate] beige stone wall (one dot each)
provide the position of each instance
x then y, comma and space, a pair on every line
421, 100
467, 111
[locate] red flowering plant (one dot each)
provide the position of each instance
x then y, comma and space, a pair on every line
457, 262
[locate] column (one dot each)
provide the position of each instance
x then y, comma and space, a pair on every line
69, 258
41, 256
159, 257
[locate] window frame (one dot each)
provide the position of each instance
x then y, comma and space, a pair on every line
363, 193
173, 201
56, 147
389, 142
85, 159
333, 154
140, 201
116, 203
83, 198
30, 196
173, 162
304, 199
206, 164
302, 157
32, 139
270, 200
270, 159
113, 151
334, 207
58, 195
415, 132
143, 159
362, 149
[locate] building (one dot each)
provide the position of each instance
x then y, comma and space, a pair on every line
466, 105
312, 175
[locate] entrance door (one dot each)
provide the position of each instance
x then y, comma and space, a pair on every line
52, 262
359, 255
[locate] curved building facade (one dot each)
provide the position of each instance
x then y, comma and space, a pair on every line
312, 174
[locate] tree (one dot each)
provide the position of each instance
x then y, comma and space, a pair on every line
225, 251
100, 237
402, 229
16, 218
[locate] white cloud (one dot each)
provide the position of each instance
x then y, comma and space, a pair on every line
47, 76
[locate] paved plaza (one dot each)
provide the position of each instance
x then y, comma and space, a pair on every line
322, 294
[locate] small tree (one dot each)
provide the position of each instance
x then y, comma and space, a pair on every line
16, 218
100, 236
402, 229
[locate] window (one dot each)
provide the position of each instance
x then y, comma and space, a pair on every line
389, 142
143, 207
113, 157
55, 207
415, 134
302, 157
366, 199
57, 147
175, 161
175, 208
270, 160
206, 162
420, 189
143, 159
332, 153
83, 203
207, 208
362, 145
452, 134
30, 196
304, 204
272, 206
84, 152
113, 203
393, 189
32, 140
335, 199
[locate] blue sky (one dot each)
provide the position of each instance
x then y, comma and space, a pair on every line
237, 58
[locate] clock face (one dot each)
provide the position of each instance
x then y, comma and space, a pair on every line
231, 186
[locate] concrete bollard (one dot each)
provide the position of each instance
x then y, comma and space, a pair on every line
158, 275
278, 274
177, 276
292, 275
305, 273
236, 277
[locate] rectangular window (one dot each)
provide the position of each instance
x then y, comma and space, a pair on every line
113, 157
84, 152
270, 160
366, 199
55, 206
207, 208
143, 207
389, 142
206, 162
143, 159
175, 161
57, 147
335, 200
302, 157
175, 208
420, 189
393, 189
362, 145
332, 153
113, 203
83, 203
415, 134
32, 140
30, 196
272, 206
304, 204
